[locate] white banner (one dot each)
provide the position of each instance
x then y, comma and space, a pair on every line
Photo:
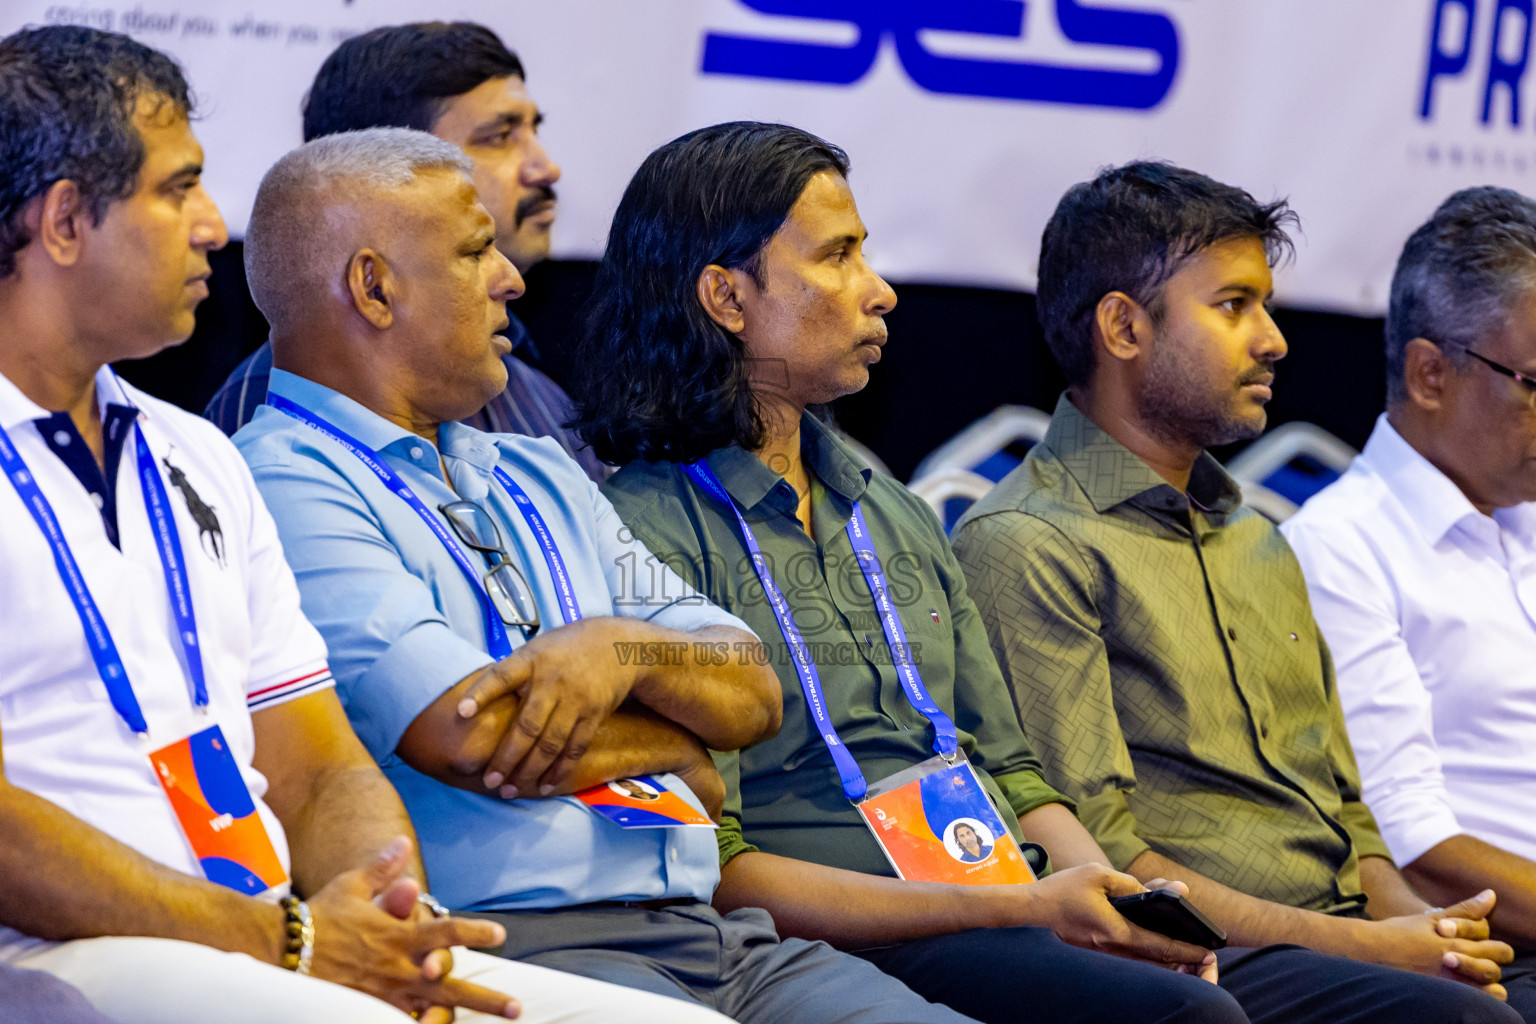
965, 119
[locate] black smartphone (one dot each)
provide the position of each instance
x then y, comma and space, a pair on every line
1169, 913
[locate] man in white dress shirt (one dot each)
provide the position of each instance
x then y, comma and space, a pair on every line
1421, 562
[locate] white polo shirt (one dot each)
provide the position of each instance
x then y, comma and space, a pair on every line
1429, 608
60, 736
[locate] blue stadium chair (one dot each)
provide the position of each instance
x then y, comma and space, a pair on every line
1285, 467
991, 447
949, 492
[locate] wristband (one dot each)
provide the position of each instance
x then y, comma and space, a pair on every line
299, 933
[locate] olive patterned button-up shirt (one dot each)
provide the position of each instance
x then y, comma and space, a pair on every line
1165, 665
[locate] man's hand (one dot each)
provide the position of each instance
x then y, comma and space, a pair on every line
570, 680
400, 901
367, 946
1075, 905
1451, 943
702, 777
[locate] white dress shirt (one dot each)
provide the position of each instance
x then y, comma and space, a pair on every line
1429, 607
62, 739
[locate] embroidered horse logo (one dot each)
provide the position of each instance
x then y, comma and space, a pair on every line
208, 531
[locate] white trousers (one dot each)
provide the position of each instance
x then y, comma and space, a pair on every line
162, 981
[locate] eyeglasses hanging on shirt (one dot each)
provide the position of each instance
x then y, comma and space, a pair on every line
504, 582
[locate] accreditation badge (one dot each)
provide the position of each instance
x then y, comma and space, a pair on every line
217, 814
936, 823
643, 802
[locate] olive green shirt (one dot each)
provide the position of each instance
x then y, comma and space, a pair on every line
1163, 659
783, 794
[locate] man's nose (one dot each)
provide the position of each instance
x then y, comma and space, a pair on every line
208, 229
1271, 345
506, 283
538, 168
884, 299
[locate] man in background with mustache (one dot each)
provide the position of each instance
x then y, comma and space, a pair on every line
458, 81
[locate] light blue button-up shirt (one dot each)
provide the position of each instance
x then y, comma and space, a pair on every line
404, 625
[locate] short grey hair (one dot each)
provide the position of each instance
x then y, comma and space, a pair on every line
1460, 275
290, 258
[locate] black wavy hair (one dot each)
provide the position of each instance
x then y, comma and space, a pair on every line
658, 379
1129, 230
402, 76
68, 95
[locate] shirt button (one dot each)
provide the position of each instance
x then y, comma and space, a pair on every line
61, 438
99, 501
416, 453
672, 855
1231, 634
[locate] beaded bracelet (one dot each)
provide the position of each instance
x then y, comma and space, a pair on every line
299, 927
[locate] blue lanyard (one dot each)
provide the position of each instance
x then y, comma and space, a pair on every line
945, 741
98, 638
498, 644
570, 610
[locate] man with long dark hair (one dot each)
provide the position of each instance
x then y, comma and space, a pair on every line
495, 656
732, 299
458, 81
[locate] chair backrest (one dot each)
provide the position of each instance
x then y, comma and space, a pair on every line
1293, 462
992, 446
949, 492
1277, 508
864, 452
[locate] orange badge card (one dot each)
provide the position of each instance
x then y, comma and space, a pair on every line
642, 802
216, 812
936, 823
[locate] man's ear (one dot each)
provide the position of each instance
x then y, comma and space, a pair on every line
1425, 368
56, 221
372, 288
719, 292
1122, 327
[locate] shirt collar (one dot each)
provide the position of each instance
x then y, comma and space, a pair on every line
16, 408
748, 480
1431, 499
1110, 474
340, 411
472, 454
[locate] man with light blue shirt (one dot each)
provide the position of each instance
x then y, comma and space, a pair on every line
498, 637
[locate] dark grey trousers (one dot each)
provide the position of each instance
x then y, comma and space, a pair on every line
734, 964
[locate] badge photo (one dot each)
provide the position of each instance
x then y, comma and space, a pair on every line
643, 802
935, 823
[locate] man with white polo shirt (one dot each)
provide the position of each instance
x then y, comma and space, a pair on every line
189, 830
1421, 565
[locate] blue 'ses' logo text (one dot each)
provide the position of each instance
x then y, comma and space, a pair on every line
1451, 51
998, 79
